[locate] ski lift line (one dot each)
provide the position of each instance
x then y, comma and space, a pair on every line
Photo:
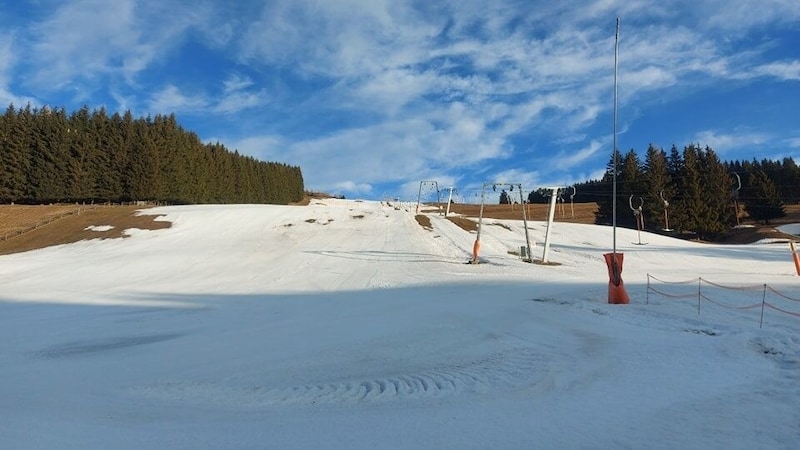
476, 246
429, 183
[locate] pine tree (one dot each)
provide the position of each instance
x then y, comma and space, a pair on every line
658, 186
691, 203
790, 185
605, 202
504, 199
718, 187
762, 201
14, 155
630, 189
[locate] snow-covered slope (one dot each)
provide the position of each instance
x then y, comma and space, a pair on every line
344, 324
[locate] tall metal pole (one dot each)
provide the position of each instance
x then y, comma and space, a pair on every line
525, 224
614, 149
616, 289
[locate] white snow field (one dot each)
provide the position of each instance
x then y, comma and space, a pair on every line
346, 325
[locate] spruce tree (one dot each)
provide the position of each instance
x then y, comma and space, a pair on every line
631, 187
719, 187
691, 204
658, 187
762, 201
605, 206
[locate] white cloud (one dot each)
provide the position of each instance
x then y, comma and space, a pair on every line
171, 99
783, 70
235, 97
567, 161
352, 186
236, 83
793, 142
265, 147
741, 15
375, 90
84, 40
723, 142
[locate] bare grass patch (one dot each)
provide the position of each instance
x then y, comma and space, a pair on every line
26, 228
464, 223
424, 221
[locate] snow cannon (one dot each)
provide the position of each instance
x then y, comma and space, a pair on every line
616, 288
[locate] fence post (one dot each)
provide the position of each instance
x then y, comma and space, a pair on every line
699, 282
763, 301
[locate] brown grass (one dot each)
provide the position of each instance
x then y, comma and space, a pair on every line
464, 223
424, 221
585, 213
24, 228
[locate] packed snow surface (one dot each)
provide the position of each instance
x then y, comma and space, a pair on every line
345, 324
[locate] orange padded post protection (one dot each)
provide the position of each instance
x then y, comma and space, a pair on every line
616, 288
796, 257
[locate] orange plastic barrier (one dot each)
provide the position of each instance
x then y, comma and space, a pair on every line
616, 288
475, 248
796, 257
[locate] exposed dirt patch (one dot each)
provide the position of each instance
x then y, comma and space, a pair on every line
424, 221
577, 213
585, 213
464, 223
501, 225
24, 228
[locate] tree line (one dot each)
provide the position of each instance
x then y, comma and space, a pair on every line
48, 155
692, 190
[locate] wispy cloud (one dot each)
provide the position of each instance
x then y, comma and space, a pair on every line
783, 70
237, 96
86, 40
793, 142
171, 99
570, 160
365, 92
723, 142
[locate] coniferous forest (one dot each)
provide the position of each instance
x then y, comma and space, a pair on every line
692, 190
688, 191
48, 155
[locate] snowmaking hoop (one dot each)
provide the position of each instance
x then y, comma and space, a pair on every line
735, 197
638, 214
666, 214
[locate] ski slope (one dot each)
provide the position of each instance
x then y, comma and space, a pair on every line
345, 324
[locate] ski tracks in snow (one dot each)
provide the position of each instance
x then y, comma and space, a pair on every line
512, 369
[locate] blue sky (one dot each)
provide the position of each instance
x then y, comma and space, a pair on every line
369, 97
